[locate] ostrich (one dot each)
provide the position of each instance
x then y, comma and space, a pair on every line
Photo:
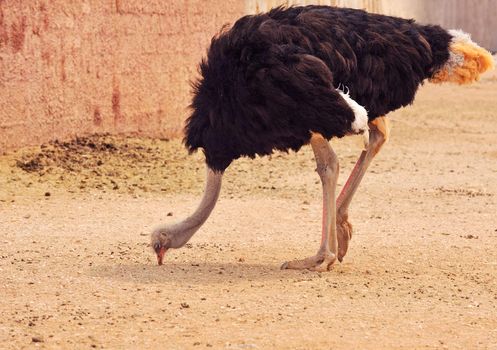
302, 75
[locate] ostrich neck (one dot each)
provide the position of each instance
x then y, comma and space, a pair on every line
184, 230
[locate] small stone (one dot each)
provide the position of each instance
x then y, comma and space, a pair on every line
184, 306
37, 339
47, 194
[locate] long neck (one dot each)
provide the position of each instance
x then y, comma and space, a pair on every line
181, 232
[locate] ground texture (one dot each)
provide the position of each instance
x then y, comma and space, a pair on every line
76, 269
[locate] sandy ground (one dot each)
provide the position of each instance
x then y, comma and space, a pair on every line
76, 270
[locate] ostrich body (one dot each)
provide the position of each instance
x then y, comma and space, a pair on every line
302, 75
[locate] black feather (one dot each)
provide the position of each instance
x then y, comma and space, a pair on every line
271, 80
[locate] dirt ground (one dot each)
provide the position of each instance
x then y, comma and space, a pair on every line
76, 269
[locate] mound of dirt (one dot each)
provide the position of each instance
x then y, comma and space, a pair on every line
83, 152
130, 165
108, 163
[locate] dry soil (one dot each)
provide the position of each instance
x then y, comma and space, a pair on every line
76, 269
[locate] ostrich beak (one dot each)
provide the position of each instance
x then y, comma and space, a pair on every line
160, 255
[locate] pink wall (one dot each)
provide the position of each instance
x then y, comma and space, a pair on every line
73, 67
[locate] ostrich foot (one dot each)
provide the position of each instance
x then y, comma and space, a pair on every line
321, 262
344, 235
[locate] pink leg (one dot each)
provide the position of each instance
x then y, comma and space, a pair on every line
378, 135
327, 168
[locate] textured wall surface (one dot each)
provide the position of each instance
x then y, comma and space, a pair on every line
72, 67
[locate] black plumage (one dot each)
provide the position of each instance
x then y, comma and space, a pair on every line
271, 80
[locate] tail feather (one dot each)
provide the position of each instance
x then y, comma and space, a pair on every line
467, 62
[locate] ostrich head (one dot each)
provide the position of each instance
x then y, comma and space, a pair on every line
174, 236
161, 242
467, 61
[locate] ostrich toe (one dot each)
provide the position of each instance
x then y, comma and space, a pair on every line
344, 235
321, 262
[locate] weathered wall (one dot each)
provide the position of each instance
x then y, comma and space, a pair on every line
71, 67
475, 17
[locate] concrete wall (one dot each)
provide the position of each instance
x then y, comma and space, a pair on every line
72, 67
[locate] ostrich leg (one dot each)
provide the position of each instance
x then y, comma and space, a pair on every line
378, 135
327, 168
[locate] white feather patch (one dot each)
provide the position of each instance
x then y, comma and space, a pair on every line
360, 122
459, 36
457, 59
